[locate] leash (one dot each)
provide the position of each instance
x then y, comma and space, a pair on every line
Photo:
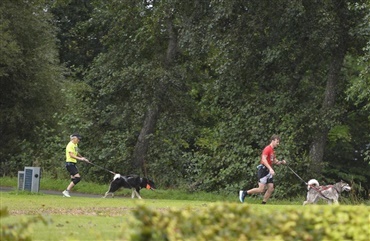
313, 187
102, 168
297, 175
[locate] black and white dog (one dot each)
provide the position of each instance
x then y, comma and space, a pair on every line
134, 182
329, 193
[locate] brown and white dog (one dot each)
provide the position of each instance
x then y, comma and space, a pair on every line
330, 193
134, 182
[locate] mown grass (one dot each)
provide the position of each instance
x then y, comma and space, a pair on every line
82, 218
86, 218
91, 217
95, 218
170, 194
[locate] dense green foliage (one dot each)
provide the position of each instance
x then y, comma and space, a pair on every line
31, 81
188, 93
221, 221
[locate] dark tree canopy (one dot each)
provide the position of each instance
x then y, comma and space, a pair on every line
192, 90
30, 77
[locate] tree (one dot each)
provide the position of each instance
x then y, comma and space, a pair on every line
195, 90
30, 80
341, 20
78, 34
277, 69
140, 74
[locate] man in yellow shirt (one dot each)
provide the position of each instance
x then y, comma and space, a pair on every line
72, 156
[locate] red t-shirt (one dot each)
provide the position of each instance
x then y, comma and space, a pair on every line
269, 152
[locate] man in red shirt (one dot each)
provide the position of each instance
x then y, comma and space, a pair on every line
265, 172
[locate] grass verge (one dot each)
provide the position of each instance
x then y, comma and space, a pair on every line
85, 218
170, 194
94, 218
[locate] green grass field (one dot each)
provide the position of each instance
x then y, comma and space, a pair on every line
79, 218
92, 217
86, 218
95, 218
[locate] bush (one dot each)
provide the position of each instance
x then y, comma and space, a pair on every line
231, 221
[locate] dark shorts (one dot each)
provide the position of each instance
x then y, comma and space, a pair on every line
264, 175
71, 168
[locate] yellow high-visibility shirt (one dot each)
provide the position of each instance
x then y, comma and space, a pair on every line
71, 147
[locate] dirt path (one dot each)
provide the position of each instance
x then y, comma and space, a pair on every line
53, 192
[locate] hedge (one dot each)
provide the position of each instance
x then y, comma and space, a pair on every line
233, 221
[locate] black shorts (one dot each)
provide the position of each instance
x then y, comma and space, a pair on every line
264, 175
71, 168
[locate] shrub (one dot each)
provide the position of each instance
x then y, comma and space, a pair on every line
231, 221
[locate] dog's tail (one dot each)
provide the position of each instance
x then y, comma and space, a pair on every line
312, 183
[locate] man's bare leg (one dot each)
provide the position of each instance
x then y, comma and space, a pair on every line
270, 190
259, 189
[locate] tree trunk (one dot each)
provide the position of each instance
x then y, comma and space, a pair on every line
318, 145
153, 112
142, 144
